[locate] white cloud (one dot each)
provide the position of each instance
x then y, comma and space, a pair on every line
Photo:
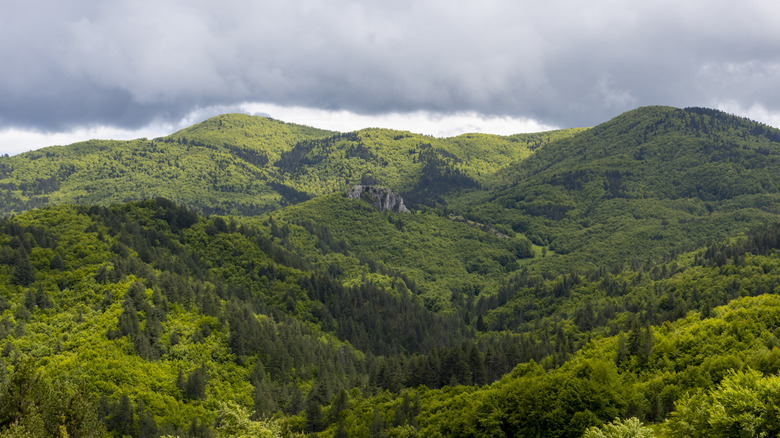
756, 112
14, 141
131, 62
420, 122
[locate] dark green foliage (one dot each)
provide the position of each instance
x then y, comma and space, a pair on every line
23, 271
332, 317
194, 386
147, 426
29, 400
438, 177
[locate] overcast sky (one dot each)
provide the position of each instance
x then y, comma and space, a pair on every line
79, 69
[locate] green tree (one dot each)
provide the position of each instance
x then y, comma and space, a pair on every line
23, 272
629, 428
195, 386
234, 421
743, 404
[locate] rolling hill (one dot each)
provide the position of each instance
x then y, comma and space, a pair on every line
245, 165
646, 184
218, 282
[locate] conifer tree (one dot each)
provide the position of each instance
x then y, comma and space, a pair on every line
23, 272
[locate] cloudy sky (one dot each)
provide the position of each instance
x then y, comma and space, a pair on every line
80, 69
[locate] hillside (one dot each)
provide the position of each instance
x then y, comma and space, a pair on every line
178, 313
245, 165
219, 282
647, 184
155, 318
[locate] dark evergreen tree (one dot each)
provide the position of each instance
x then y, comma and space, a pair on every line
195, 387
622, 351
122, 420
340, 404
181, 383
147, 427
377, 427
314, 418
56, 263
23, 273
476, 363
128, 324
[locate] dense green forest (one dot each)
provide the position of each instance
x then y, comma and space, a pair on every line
244, 165
620, 280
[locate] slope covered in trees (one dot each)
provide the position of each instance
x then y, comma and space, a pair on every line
552, 284
245, 165
156, 315
648, 183
700, 373
153, 318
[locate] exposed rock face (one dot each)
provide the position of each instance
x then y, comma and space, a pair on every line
380, 197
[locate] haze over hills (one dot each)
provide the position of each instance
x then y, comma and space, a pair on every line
542, 285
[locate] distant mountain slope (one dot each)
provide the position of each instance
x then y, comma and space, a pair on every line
218, 165
649, 182
439, 258
245, 165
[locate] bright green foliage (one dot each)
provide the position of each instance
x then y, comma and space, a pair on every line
743, 404
163, 314
239, 164
440, 259
630, 428
649, 292
589, 390
220, 165
234, 422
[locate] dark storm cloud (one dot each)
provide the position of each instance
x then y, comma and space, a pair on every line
131, 62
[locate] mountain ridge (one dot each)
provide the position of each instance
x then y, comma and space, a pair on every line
234, 164
544, 284
658, 177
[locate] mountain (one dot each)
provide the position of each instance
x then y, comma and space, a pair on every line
542, 284
218, 165
247, 165
649, 183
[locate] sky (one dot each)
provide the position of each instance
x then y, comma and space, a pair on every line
125, 69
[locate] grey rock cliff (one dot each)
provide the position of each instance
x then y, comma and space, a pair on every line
380, 197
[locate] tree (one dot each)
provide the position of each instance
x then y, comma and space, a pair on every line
56, 263
314, 418
743, 404
622, 351
147, 427
630, 428
377, 427
340, 404
23, 273
195, 387
235, 422
122, 418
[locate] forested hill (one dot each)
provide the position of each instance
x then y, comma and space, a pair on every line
218, 282
648, 183
144, 319
245, 165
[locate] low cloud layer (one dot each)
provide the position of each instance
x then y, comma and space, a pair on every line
132, 63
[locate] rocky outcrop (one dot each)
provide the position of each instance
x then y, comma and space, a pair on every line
380, 197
